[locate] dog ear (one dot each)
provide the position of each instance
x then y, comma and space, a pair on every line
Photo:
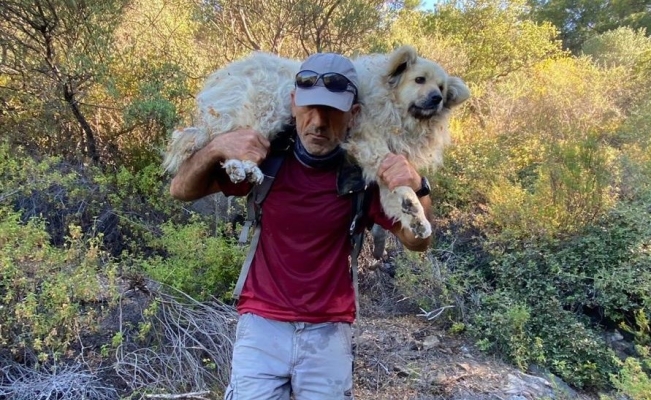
458, 92
401, 59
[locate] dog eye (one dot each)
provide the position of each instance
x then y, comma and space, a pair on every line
420, 80
441, 88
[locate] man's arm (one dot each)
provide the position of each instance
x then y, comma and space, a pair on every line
196, 176
396, 171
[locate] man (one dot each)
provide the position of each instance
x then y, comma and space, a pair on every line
298, 302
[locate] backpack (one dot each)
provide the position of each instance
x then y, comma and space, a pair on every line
360, 200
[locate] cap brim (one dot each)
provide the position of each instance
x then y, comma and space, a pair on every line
320, 96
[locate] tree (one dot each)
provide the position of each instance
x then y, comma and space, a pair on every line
496, 36
53, 53
578, 20
294, 28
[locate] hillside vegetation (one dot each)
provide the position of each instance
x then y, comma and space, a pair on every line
542, 208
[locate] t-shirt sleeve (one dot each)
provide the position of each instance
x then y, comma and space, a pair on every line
375, 213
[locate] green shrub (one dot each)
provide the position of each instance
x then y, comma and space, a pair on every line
49, 295
632, 380
634, 376
195, 262
623, 46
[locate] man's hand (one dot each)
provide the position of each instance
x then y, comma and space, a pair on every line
196, 176
243, 145
396, 171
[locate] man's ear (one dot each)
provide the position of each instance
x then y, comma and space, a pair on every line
354, 115
293, 104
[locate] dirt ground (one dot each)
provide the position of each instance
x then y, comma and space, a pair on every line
403, 356
410, 358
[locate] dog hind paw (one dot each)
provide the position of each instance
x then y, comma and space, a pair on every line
409, 207
236, 170
414, 215
253, 173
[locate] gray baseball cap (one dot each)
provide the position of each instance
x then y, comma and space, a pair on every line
319, 95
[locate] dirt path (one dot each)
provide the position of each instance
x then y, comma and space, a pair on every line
408, 357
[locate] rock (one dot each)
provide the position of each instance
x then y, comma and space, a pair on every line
439, 380
431, 341
402, 372
464, 367
558, 386
616, 336
529, 386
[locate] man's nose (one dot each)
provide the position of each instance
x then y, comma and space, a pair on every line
320, 116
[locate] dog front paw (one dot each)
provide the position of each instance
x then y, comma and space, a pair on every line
235, 169
414, 215
420, 228
253, 173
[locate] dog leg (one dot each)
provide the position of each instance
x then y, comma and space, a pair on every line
184, 143
403, 205
379, 241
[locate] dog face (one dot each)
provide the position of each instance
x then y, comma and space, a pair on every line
421, 86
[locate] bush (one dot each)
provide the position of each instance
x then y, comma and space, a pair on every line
601, 271
623, 47
45, 292
194, 261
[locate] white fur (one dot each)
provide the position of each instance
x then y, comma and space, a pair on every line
255, 93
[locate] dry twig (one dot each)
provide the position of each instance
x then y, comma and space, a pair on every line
182, 396
188, 346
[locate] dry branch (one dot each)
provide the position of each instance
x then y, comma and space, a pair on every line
182, 396
188, 347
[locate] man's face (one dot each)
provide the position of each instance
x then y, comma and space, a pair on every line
322, 128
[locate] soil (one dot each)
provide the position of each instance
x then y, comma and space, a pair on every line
403, 356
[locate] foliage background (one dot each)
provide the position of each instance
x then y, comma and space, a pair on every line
543, 206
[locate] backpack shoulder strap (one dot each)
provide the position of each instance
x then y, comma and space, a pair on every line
361, 203
269, 167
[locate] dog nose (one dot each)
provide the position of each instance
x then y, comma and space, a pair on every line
435, 99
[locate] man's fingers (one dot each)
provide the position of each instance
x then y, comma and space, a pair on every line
395, 170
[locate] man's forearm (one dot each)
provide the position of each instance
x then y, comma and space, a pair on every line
196, 176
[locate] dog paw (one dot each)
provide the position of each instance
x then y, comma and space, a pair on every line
402, 204
413, 215
253, 173
420, 228
235, 169
409, 206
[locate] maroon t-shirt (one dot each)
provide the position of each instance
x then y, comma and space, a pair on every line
300, 271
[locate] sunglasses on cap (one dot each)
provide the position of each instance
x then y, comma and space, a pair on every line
332, 81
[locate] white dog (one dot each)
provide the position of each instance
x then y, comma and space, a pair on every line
406, 102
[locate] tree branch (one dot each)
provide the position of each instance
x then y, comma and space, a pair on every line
247, 32
192, 395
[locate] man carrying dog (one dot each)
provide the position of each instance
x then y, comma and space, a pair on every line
298, 302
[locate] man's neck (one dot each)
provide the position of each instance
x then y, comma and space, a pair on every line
328, 161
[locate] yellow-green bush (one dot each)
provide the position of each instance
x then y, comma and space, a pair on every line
48, 295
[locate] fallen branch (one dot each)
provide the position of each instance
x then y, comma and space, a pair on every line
193, 395
430, 315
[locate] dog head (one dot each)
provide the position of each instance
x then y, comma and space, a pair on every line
421, 86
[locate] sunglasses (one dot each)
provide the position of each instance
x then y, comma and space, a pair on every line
332, 81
